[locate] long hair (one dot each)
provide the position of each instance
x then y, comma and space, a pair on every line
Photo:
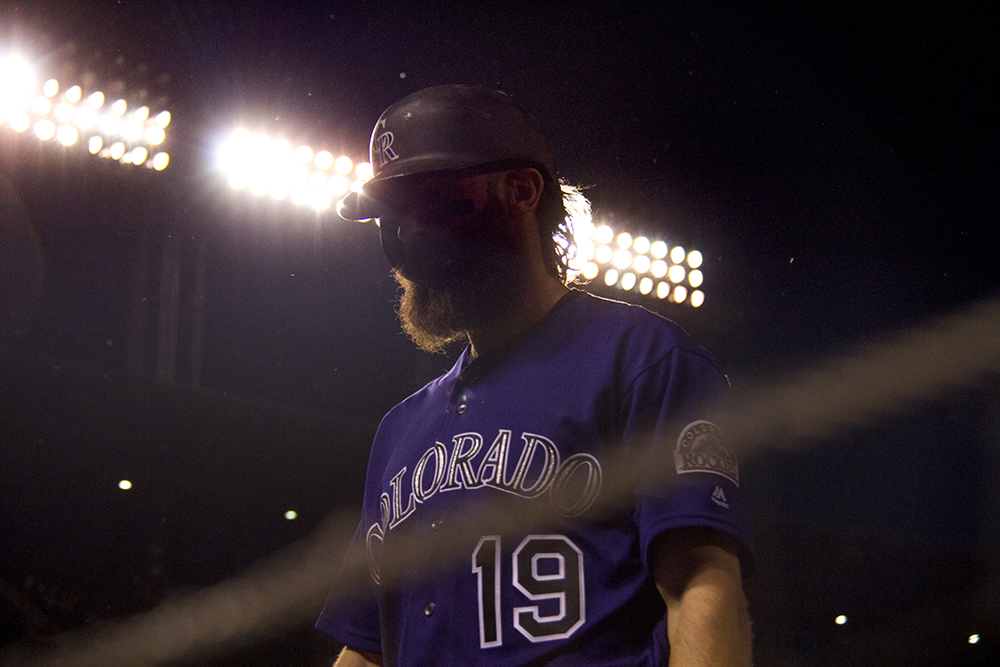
560, 204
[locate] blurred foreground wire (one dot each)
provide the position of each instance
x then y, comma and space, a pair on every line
955, 353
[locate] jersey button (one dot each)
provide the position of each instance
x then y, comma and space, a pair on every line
429, 609
461, 409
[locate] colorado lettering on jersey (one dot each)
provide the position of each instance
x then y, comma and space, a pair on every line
572, 484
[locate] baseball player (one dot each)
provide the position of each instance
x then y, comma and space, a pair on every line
553, 387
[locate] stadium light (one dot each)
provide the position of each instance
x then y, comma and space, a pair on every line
304, 176
636, 263
72, 116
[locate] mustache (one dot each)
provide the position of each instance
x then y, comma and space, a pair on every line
437, 262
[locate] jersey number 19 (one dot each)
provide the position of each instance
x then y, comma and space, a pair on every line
544, 567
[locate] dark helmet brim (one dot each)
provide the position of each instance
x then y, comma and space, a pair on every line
371, 201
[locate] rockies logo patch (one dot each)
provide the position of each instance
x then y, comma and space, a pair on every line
702, 447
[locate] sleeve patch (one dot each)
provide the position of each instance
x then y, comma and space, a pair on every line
703, 447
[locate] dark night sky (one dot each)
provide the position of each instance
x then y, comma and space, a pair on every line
833, 162
836, 164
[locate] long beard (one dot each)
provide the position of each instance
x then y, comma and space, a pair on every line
464, 286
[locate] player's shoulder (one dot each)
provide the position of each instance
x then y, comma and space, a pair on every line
432, 392
630, 325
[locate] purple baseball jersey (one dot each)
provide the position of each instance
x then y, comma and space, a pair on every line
539, 421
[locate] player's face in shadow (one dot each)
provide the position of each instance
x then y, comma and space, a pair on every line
463, 258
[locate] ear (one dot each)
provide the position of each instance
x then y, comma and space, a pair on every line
522, 189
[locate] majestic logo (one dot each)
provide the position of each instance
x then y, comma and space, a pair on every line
719, 497
702, 447
383, 146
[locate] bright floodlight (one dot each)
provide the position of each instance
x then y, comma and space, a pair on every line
304, 154
322, 201
258, 185
45, 130
973, 639
84, 117
338, 186
604, 234
840, 620
302, 176
697, 298
282, 149
279, 191
109, 124
160, 161
343, 165
623, 259
67, 135
363, 171
41, 105
132, 130
17, 80
155, 135
291, 515
324, 160
629, 261
63, 112
317, 180
124, 485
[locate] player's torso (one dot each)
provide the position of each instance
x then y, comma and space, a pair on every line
535, 431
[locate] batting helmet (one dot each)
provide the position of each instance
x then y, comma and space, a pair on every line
452, 129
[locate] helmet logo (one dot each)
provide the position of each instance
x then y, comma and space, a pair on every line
383, 143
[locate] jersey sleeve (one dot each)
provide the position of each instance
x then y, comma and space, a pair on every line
671, 415
353, 619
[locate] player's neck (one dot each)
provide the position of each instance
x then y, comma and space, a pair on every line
531, 308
